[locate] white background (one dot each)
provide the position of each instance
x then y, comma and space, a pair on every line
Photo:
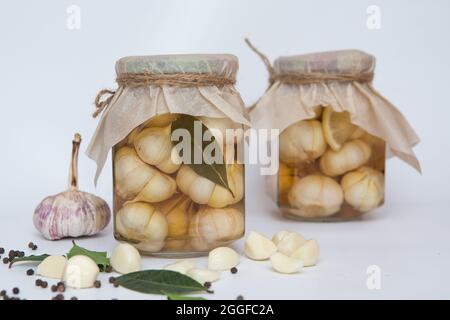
50, 76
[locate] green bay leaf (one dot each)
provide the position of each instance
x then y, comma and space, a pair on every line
32, 258
99, 257
215, 172
159, 282
171, 296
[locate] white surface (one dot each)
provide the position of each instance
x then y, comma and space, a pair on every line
51, 75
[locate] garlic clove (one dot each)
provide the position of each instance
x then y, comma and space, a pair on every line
178, 211
290, 242
80, 272
52, 267
363, 188
315, 196
222, 258
160, 187
352, 155
125, 259
307, 253
277, 237
203, 275
182, 266
258, 247
285, 264
72, 213
151, 246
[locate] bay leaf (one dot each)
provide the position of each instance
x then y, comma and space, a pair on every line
31, 258
215, 172
99, 257
171, 296
159, 282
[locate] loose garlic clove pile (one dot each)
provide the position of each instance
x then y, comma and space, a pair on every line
302, 142
222, 258
363, 188
285, 264
72, 213
316, 196
125, 259
80, 272
289, 242
52, 267
135, 179
154, 146
203, 191
308, 253
258, 247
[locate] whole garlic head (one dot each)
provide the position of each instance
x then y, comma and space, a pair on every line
135, 179
363, 188
72, 213
302, 141
353, 154
316, 196
154, 146
203, 191
211, 227
142, 222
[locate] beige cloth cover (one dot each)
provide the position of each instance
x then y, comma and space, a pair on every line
131, 107
284, 104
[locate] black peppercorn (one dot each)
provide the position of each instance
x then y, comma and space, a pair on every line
11, 254
97, 284
207, 284
54, 288
2, 293
240, 297
111, 279
5, 260
115, 284
34, 247
38, 282
109, 269
16, 290
58, 297
21, 254
61, 287
30, 245
233, 270
44, 284
30, 272
2, 250
74, 298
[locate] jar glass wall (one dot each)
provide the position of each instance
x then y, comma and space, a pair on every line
330, 169
165, 206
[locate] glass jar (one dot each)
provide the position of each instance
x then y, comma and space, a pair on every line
179, 176
330, 169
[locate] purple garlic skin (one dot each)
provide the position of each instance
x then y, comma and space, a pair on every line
72, 213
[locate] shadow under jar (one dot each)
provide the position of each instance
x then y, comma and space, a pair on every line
330, 169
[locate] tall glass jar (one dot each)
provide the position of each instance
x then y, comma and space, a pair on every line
178, 168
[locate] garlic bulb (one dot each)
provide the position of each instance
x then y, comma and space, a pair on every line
142, 222
178, 211
211, 227
203, 191
154, 146
363, 188
353, 154
135, 179
302, 142
72, 213
316, 196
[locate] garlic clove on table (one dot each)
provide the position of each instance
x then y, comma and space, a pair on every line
80, 272
307, 253
52, 267
203, 275
182, 266
290, 242
258, 247
222, 258
125, 259
72, 213
285, 264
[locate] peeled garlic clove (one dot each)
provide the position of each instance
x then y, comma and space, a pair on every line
307, 253
315, 196
204, 191
352, 155
302, 142
290, 242
72, 213
160, 187
80, 272
52, 267
203, 275
363, 188
258, 247
277, 237
142, 222
126, 259
285, 264
211, 227
222, 258
182, 266
154, 146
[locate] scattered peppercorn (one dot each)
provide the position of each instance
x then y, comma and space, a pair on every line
16, 290
30, 245
61, 287
5, 260
109, 269
11, 254
97, 284
2, 250
30, 272
115, 284
44, 284
74, 298
2, 293
34, 247
38, 282
207, 284
111, 279
17, 253
54, 288
240, 297
21, 254
58, 297
233, 270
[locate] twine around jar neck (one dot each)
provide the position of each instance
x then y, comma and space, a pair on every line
308, 78
184, 80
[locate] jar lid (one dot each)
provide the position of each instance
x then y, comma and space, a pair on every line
218, 64
331, 62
